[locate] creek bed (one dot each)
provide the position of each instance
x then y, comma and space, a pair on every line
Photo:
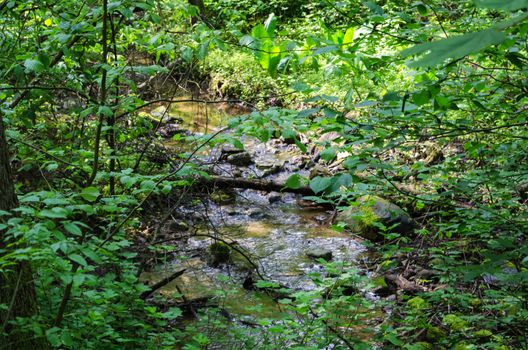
273, 230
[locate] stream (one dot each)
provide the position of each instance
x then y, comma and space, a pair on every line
282, 235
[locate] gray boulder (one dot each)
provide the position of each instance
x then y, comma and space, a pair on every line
240, 159
362, 219
317, 253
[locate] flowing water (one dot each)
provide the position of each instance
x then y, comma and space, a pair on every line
274, 231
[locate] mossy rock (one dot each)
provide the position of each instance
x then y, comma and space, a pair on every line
240, 159
223, 197
241, 262
319, 253
365, 217
434, 155
179, 226
435, 334
219, 253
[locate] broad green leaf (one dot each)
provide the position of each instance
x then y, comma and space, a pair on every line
301, 87
237, 144
91, 255
328, 154
294, 181
259, 32
34, 66
203, 49
421, 97
248, 41
54, 213
289, 134
454, 47
373, 7
147, 185
127, 181
44, 59
422, 10
507, 5
172, 313
343, 180
73, 229
52, 336
105, 110
90, 194
348, 39
274, 60
319, 184
270, 24
78, 259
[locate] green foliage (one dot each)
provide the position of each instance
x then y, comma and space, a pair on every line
455, 47
448, 143
502, 5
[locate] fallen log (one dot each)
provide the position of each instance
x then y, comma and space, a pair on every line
253, 184
146, 294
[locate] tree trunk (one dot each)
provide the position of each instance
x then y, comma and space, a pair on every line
17, 289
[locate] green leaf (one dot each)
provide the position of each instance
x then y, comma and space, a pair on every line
319, 184
90, 194
54, 213
454, 47
259, 32
237, 144
393, 339
343, 180
421, 97
34, 66
105, 110
328, 154
52, 335
127, 181
172, 313
422, 10
66, 338
73, 229
148, 185
301, 146
348, 39
270, 24
78, 259
506, 5
91, 255
203, 49
44, 59
442, 100
294, 181
373, 7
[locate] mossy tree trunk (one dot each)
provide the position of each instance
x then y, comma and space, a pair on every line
17, 289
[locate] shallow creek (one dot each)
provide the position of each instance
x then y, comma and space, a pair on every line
277, 232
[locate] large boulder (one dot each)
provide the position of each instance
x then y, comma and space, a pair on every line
240, 159
318, 253
363, 218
